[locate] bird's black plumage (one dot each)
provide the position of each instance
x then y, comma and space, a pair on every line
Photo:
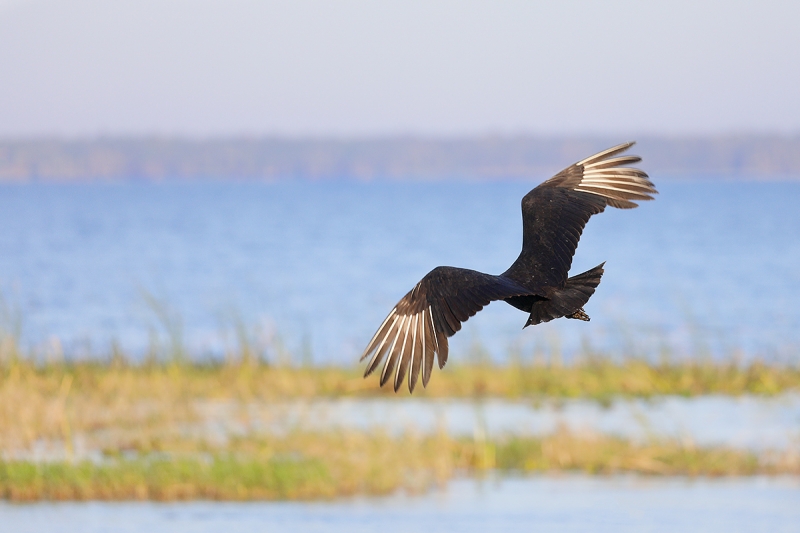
553, 217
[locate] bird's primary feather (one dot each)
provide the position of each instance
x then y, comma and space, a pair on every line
553, 217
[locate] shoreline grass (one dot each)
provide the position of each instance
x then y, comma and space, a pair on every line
596, 378
144, 424
307, 466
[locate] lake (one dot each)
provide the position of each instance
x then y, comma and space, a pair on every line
311, 269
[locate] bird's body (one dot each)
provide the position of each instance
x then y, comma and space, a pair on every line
553, 216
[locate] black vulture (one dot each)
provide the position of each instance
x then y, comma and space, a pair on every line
553, 216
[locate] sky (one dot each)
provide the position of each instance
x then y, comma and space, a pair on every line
356, 68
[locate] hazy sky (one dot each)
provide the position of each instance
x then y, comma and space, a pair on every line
353, 68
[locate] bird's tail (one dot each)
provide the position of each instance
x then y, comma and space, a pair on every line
568, 301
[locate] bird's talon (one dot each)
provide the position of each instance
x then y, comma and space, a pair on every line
580, 314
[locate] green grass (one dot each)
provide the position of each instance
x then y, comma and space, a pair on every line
300, 465
221, 478
333, 464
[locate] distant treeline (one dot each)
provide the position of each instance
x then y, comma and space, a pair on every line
396, 158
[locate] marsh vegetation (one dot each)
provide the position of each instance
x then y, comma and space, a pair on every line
114, 428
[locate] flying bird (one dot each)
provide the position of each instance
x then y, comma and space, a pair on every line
553, 216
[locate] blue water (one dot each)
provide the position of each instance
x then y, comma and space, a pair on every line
312, 268
542, 504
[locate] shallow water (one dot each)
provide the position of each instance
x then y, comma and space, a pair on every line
709, 267
541, 503
748, 422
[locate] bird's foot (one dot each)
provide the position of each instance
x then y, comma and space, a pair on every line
580, 314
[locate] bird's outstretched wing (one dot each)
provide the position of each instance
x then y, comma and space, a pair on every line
555, 213
419, 325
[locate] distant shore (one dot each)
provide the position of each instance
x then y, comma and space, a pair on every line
751, 157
